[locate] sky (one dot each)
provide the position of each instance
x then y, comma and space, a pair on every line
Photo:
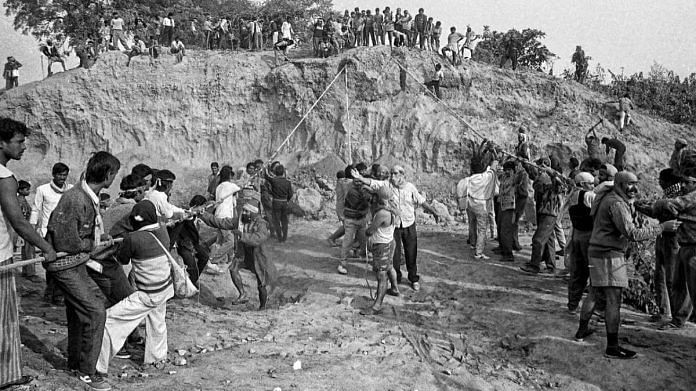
615, 33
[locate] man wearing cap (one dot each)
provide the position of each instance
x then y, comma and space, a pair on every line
11, 73
579, 206
548, 189
612, 231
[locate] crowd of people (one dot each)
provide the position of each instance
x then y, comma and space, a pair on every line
600, 200
85, 241
329, 35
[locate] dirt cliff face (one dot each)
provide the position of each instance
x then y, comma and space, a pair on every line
236, 107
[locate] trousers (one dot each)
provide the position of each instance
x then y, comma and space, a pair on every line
406, 239
125, 316
85, 312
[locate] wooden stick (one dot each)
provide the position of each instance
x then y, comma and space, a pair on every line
28, 262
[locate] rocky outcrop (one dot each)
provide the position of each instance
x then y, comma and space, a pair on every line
233, 107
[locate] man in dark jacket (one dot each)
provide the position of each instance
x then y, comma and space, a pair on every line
420, 21
281, 191
75, 227
356, 206
612, 231
548, 190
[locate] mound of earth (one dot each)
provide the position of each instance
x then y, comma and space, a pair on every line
235, 107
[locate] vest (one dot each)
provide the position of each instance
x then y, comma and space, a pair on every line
580, 214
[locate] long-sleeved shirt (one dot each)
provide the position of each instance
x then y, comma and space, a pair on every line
45, 202
613, 225
281, 188
161, 202
226, 194
478, 188
406, 198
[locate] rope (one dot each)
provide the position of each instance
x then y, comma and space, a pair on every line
304, 117
28, 262
277, 151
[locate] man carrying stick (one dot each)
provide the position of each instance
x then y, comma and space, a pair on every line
12, 135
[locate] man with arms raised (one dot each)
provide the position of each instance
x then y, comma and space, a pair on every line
406, 198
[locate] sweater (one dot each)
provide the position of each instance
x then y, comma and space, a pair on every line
613, 225
151, 269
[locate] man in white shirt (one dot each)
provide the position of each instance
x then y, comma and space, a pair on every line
47, 197
406, 198
286, 29
117, 34
167, 29
159, 196
45, 200
475, 193
178, 49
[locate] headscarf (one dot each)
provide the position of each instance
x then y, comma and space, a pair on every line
144, 213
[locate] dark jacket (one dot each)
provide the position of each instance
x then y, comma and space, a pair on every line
280, 188
547, 195
357, 202
71, 229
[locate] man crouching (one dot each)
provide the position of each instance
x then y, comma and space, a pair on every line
381, 241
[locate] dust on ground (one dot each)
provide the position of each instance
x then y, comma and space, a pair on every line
475, 325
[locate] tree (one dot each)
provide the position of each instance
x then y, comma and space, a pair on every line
533, 53
80, 19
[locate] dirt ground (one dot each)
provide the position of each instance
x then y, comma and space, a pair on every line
475, 325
